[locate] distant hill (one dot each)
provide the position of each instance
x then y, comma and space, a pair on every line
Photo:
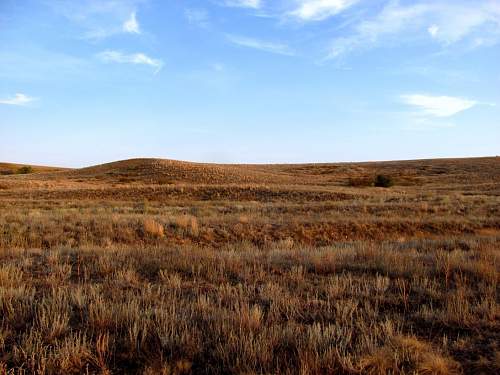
172, 171
166, 172
12, 168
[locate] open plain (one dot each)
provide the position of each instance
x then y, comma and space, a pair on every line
154, 266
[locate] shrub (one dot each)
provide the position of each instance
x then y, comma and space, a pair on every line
383, 181
25, 170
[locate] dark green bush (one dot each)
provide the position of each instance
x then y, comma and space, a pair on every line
25, 170
383, 181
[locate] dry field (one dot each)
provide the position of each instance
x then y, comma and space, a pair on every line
161, 267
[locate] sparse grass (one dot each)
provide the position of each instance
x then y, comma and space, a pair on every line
309, 277
247, 309
360, 182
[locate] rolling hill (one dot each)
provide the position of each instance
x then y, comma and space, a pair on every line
171, 172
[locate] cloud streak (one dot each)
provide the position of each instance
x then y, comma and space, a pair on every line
131, 25
271, 47
197, 17
254, 4
110, 56
438, 106
100, 19
18, 99
446, 23
319, 10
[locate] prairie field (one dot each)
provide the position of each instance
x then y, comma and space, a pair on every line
151, 266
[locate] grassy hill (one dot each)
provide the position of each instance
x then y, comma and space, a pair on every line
12, 168
171, 172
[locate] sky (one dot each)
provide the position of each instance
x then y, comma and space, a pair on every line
248, 81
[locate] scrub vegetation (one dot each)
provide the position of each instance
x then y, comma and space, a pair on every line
152, 266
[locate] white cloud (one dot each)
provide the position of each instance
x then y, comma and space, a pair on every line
458, 21
451, 22
197, 17
433, 30
131, 25
278, 48
438, 106
318, 10
18, 99
390, 21
135, 58
99, 19
254, 4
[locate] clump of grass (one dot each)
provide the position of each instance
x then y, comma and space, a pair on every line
188, 223
243, 219
10, 276
153, 228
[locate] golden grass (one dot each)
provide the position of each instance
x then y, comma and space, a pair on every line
251, 269
268, 310
153, 228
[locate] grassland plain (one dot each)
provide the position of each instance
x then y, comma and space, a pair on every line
154, 266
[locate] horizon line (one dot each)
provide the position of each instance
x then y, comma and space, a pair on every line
262, 164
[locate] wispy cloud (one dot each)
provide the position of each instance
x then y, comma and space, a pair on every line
272, 47
433, 30
18, 99
457, 21
100, 19
445, 22
197, 17
131, 25
218, 67
438, 106
254, 4
134, 58
390, 21
318, 10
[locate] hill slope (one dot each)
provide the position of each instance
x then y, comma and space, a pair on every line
467, 171
409, 172
12, 168
172, 171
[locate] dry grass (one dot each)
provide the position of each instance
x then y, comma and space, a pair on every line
153, 228
10, 168
252, 310
107, 270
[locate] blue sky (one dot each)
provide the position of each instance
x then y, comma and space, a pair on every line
85, 82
